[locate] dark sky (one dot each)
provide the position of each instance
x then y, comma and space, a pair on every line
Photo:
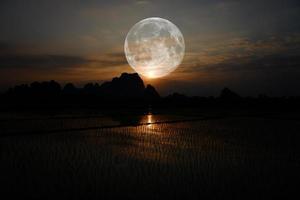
250, 46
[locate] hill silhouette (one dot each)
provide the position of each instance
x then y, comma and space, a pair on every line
126, 88
130, 90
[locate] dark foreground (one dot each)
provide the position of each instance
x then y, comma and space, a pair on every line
150, 156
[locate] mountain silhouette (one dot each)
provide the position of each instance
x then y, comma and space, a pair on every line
227, 94
151, 93
129, 89
70, 89
127, 86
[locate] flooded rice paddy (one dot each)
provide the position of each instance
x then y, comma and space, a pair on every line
149, 156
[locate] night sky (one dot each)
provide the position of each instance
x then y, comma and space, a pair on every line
252, 47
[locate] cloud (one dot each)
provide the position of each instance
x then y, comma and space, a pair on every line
242, 53
58, 61
19, 61
110, 62
266, 63
15, 57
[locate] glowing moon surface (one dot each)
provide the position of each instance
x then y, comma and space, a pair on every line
154, 47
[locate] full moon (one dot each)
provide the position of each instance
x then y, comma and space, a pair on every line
154, 47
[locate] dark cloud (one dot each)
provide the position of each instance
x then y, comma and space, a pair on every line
110, 62
246, 64
117, 55
14, 56
56, 61
42, 61
7, 48
270, 62
113, 59
245, 54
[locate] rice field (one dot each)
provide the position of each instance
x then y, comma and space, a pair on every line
149, 156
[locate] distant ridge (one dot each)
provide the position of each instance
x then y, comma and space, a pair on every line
127, 86
130, 90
